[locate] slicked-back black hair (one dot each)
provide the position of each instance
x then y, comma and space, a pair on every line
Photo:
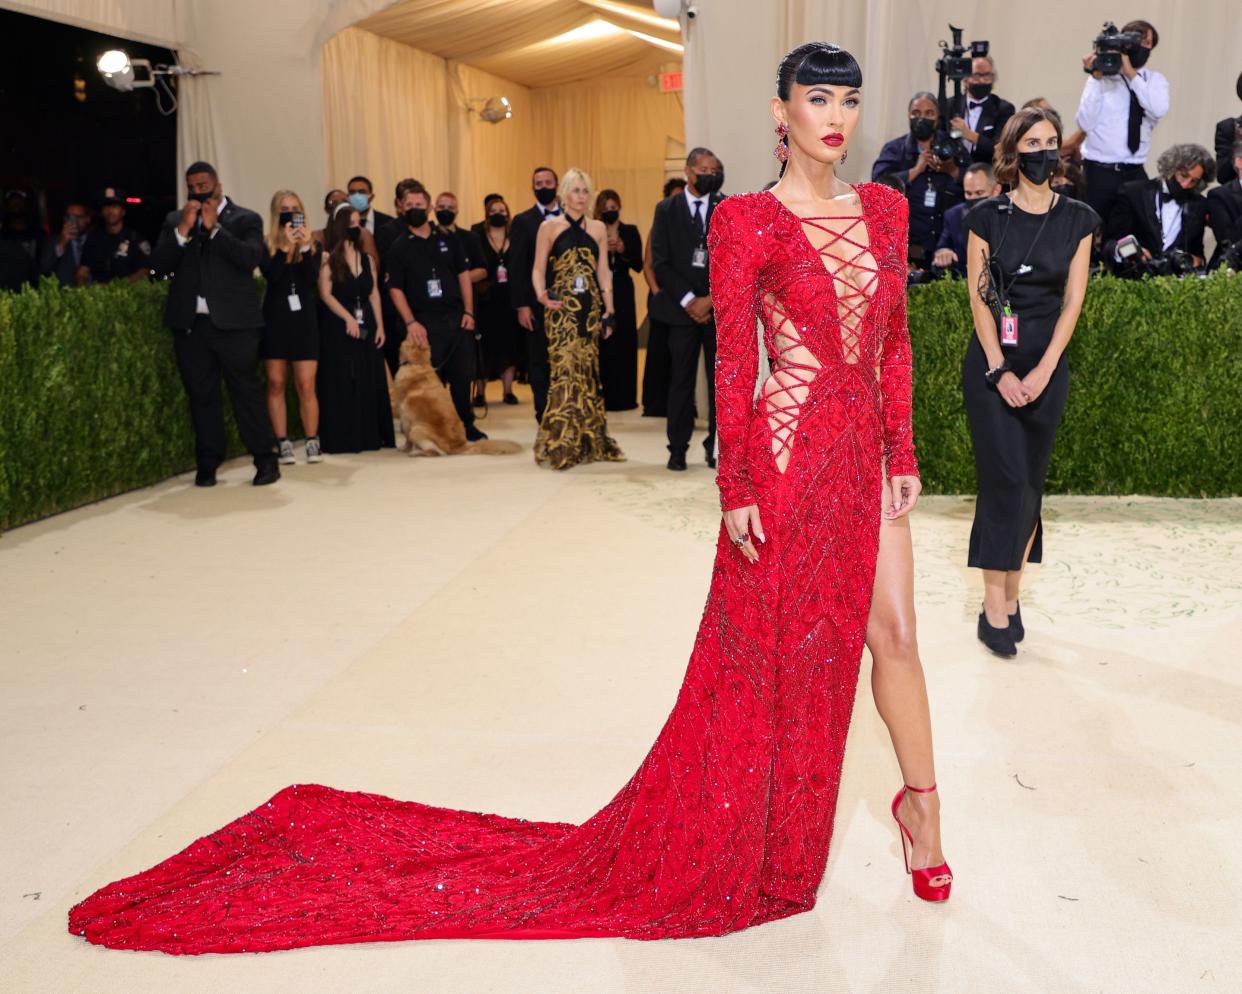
817, 62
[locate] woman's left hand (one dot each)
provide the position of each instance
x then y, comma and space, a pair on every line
900, 496
608, 329
379, 337
1035, 382
467, 322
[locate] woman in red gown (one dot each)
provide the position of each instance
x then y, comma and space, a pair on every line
727, 822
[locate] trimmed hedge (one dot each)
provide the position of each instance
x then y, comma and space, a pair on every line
91, 404
1155, 401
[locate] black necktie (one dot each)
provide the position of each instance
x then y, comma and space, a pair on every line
1134, 130
698, 216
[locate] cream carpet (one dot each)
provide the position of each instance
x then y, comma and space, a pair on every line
481, 633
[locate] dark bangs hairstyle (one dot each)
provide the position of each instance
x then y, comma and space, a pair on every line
1005, 158
816, 62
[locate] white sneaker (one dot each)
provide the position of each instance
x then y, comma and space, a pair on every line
286, 452
313, 454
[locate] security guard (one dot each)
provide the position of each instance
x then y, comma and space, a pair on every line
114, 250
428, 281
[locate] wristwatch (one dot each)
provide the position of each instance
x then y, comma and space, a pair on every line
993, 375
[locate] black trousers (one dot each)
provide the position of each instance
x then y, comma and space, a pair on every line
452, 354
205, 355
394, 335
684, 342
1104, 182
655, 369
538, 370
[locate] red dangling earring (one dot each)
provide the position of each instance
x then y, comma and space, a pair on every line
782, 146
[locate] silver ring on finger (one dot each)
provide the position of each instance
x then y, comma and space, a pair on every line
741, 540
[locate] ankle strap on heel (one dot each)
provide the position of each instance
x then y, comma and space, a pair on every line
921, 790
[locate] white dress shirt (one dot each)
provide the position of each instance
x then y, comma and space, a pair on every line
974, 111
1104, 114
691, 200
1170, 214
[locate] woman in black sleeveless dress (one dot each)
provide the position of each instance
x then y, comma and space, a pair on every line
503, 339
354, 411
618, 353
577, 309
1015, 377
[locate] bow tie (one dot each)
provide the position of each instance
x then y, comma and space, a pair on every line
1166, 197
974, 103
553, 212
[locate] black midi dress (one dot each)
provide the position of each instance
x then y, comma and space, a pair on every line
1013, 445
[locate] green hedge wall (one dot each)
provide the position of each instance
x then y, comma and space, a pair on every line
1155, 402
91, 404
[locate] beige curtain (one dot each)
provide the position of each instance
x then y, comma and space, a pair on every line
392, 111
384, 110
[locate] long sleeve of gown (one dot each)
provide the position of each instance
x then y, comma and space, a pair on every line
896, 373
735, 295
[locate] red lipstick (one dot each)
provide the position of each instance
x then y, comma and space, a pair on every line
833, 140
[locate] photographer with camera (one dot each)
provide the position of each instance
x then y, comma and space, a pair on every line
1122, 100
62, 257
927, 161
1156, 226
979, 114
1224, 208
978, 183
1228, 134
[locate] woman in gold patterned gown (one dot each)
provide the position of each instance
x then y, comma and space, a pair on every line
577, 310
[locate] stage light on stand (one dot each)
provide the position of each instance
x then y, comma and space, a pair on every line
117, 69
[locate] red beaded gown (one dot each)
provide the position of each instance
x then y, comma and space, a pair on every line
727, 822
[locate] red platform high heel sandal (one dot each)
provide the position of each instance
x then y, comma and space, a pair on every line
922, 877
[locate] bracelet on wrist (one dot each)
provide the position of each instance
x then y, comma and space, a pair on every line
993, 375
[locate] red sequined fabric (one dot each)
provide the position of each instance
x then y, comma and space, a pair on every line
727, 822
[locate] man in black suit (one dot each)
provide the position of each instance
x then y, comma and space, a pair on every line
979, 114
361, 195
1224, 208
211, 248
522, 234
680, 259
1228, 134
978, 184
1163, 214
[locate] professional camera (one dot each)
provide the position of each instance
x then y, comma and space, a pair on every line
954, 64
1109, 45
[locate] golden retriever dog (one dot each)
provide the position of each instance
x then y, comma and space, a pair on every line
429, 422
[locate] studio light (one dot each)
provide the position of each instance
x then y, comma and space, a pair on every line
496, 109
118, 71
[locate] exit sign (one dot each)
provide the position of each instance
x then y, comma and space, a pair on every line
670, 82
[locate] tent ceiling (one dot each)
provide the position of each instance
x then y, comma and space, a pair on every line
536, 42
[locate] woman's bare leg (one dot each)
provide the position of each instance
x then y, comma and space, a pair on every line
899, 689
1013, 579
308, 401
277, 371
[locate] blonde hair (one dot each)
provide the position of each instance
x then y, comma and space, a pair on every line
274, 230
573, 176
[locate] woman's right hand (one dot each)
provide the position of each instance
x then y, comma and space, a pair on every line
351, 327
1012, 390
744, 521
549, 304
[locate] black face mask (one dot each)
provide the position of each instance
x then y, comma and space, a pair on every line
497, 220
980, 90
545, 195
708, 183
610, 217
445, 218
1178, 192
202, 198
1138, 56
415, 217
922, 128
353, 233
1038, 166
